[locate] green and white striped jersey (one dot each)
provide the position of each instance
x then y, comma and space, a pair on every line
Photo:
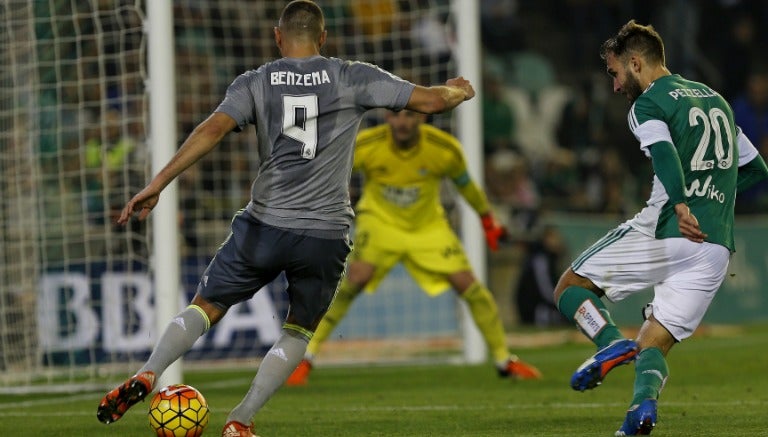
700, 125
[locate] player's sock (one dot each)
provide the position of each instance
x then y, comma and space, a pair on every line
590, 314
651, 373
485, 313
177, 339
275, 368
341, 303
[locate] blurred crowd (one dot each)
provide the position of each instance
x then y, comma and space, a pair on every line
556, 138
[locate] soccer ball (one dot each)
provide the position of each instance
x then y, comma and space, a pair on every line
178, 411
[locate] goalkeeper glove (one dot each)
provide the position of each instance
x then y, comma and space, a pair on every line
494, 231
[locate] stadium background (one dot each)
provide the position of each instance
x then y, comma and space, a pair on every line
558, 155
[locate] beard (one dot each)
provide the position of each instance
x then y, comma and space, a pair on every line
632, 88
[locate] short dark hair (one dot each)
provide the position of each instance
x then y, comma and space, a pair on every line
302, 18
635, 38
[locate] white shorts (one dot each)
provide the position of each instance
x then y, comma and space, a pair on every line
684, 275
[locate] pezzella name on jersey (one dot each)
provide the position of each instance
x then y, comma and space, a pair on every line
707, 189
692, 92
291, 78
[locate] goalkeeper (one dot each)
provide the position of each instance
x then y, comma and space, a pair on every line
400, 219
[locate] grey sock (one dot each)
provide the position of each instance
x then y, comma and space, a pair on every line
275, 368
177, 339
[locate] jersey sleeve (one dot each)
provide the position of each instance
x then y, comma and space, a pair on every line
466, 186
457, 162
646, 121
666, 165
239, 101
747, 150
752, 168
376, 88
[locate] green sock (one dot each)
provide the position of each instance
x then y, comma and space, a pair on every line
651, 373
590, 315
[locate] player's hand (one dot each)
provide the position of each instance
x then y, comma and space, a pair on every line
464, 84
688, 224
494, 231
143, 202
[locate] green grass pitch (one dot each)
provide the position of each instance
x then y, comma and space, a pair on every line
717, 387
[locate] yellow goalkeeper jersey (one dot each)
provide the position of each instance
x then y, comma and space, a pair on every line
402, 187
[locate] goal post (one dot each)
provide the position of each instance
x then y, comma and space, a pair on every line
97, 96
469, 122
166, 258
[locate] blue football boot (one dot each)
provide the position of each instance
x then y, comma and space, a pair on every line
641, 419
590, 374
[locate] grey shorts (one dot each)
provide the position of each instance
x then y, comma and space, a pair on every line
254, 254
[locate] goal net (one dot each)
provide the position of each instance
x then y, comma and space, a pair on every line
76, 291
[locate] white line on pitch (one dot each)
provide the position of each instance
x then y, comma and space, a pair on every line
574, 405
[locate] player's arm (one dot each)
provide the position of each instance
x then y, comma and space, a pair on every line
751, 173
440, 98
201, 141
669, 170
476, 198
752, 168
472, 193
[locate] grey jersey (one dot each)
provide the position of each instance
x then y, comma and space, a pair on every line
307, 112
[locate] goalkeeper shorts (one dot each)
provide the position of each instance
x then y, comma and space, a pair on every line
429, 254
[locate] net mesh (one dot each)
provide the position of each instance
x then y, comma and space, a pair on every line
76, 292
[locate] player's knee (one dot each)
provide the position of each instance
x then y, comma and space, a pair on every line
569, 278
463, 281
358, 276
212, 311
303, 321
565, 281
